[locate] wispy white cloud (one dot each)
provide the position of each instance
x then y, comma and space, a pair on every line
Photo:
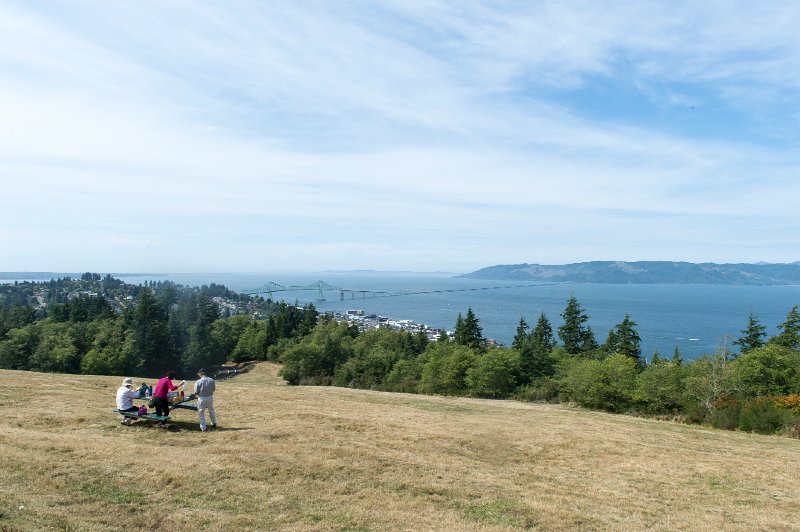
434, 135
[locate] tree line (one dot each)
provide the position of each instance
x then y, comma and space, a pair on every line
754, 389
71, 326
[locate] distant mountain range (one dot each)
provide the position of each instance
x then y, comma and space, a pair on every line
645, 272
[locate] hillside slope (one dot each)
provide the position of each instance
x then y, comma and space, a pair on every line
645, 272
330, 458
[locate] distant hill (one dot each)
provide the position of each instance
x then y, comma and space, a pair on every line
645, 272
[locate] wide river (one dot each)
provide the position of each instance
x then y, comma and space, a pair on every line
696, 318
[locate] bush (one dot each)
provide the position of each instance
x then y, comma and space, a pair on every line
659, 388
762, 415
444, 368
494, 374
545, 389
404, 377
606, 385
768, 370
725, 415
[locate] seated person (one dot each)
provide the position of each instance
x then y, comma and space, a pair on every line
125, 397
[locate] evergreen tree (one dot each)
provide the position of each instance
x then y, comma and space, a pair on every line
542, 334
790, 330
624, 339
535, 362
677, 358
588, 343
419, 341
752, 336
443, 338
200, 351
151, 339
468, 332
522, 335
572, 331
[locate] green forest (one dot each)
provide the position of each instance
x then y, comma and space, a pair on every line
97, 325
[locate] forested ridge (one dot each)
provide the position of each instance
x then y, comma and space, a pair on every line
100, 325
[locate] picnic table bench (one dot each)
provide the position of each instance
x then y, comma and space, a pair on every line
135, 415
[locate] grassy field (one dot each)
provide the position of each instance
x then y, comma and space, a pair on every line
313, 458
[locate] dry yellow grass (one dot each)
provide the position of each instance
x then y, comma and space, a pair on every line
336, 459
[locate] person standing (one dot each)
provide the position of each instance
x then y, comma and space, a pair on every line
204, 390
125, 397
162, 388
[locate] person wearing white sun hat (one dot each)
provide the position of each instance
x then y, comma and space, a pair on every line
125, 397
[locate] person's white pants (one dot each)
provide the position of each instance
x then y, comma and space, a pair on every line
204, 403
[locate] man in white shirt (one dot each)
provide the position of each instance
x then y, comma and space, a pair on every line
204, 390
125, 397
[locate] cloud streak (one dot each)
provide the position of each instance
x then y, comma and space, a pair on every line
399, 135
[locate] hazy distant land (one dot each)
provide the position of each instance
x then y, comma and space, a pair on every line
646, 272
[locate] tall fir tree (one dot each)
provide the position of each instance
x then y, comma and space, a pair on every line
468, 332
624, 339
151, 339
521, 337
790, 330
572, 332
542, 333
752, 336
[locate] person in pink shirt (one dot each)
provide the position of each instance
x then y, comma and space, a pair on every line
160, 391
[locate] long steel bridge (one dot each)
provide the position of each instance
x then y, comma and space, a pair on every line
346, 293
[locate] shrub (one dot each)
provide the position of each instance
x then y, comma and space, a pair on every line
545, 389
444, 368
762, 415
494, 374
659, 388
404, 377
768, 370
607, 384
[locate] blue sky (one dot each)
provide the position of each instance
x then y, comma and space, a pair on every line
416, 135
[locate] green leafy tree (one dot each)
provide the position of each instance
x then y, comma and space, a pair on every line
18, 347
752, 336
767, 370
660, 387
607, 384
56, 351
225, 333
444, 368
110, 353
708, 379
404, 376
494, 374
314, 359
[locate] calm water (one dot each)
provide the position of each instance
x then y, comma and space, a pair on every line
696, 318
